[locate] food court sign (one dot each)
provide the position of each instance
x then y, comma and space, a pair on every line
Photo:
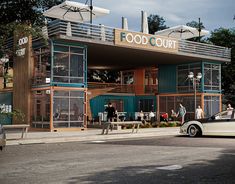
145, 41
22, 43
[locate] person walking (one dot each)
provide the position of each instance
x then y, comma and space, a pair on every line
181, 113
199, 113
110, 115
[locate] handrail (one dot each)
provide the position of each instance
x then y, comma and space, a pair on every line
122, 88
190, 47
105, 34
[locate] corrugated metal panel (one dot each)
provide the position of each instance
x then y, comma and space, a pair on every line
97, 103
6, 99
145, 97
167, 79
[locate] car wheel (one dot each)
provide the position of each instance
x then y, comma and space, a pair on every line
194, 131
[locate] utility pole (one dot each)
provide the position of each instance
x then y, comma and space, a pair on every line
91, 8
199, 29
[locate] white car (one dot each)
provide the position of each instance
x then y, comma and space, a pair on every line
2, 138
220, 124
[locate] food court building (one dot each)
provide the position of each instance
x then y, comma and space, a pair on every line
49, 82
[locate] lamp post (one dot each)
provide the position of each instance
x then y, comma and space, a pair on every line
4, 60
195, 80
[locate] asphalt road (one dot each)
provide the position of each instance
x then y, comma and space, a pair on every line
154, 160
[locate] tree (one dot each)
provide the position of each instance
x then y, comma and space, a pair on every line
199, 27
20, 14
195, 24
156, 23
226, 38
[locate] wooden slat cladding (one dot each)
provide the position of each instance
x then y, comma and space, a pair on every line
23, 67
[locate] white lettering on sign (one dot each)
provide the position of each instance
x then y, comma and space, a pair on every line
23, 41
5, 108
151, 40
20, 52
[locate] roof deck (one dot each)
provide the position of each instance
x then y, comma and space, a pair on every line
98, 35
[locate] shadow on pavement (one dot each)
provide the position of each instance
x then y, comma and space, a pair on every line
220, 171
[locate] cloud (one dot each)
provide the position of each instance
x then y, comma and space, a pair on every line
213, 13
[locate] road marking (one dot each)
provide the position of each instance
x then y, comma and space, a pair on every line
170, 167
98, 141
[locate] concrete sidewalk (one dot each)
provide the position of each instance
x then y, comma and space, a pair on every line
87, 135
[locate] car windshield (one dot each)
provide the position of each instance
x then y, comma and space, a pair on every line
228, 114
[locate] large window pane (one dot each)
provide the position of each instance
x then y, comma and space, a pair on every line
68, 109
61, 67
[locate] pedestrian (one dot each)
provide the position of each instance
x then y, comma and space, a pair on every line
229, 109
151, 117
110, 115
164, 117
173, 115
181, 113
199, 113
141, 116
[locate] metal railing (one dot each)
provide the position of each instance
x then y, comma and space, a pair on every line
122, 88
204, 49
106, 35
81, 30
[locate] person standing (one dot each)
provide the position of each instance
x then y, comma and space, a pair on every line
181, 112
229, 109
173, 115
199, 113
151, 117
110, 115
141, 116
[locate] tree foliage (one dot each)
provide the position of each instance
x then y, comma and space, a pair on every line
195, 24
226, 38
22, 14
156, 23
199, 27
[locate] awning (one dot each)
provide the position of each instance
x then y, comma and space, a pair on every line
75, 12
182, 32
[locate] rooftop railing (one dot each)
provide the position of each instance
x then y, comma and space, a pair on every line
105, 35
204, 49
81, 30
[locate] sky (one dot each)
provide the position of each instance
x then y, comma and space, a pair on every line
213, 13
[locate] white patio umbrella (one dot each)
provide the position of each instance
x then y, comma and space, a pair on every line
75, 12
182, 32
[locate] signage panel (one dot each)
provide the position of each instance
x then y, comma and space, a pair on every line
145, 41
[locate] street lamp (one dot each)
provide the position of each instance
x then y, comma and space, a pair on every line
195, 79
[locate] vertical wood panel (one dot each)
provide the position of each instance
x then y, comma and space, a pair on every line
22, 66
139, 81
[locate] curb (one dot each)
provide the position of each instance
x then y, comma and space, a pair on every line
97, 137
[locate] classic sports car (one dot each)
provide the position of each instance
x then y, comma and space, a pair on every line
2, 138
220, 124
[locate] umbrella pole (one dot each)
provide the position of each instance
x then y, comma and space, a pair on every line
91, 8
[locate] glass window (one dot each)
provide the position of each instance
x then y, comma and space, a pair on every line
41, 109
69, 111
212, 76
183, 83
76, 50
69, 64
211, 105
146, 105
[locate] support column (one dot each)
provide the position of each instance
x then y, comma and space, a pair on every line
23, 69
139, 81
